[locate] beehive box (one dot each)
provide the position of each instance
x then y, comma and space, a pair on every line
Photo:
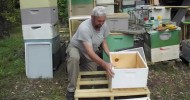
81, 9
131, 71
118, 22
156, 39
162, 53
40, 31
77, 2
24, 4
100, 2
74, 22
39, 15
113, 39
109, 8
128, 2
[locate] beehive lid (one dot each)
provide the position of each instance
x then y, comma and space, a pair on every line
118, 15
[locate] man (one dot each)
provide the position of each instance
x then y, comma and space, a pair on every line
81, 52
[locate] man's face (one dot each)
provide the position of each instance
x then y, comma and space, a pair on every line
98, 21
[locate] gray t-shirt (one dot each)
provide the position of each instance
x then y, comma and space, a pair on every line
87, 33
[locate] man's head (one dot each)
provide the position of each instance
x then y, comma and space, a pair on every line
98, 17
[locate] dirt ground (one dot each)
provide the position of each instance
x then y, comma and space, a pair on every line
167, 81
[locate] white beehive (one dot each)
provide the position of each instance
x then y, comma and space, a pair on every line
131, 70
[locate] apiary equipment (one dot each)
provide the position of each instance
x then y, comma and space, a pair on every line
131, 68
185, 53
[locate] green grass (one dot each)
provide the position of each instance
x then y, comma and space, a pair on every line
13, 81
12, 54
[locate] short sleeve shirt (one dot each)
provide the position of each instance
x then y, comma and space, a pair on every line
87, 33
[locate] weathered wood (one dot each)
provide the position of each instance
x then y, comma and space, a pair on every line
104, 91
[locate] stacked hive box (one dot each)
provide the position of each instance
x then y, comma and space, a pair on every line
118, 24
74, 22
79, 10
185, 50
42, 42
162, 46
108, 4
80, 7
118, 41
128, 3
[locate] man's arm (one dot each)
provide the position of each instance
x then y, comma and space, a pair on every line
105, 47
97, 59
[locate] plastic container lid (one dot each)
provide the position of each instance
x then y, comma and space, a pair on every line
151, 18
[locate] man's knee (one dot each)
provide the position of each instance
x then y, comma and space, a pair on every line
74, 58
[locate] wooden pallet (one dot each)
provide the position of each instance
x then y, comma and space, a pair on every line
97, 86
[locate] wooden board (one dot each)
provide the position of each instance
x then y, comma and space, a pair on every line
70, 9
88, 79
123, 60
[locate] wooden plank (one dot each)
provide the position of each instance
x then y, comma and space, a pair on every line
104, 91
98, 82
93, 79
176, 6
151, 2
114, 93
70, 9
92, 73
64, 30
78, 86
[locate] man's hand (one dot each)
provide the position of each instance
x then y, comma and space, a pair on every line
109, 70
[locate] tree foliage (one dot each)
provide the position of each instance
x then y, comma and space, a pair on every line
10, 10
9, 15
63, 11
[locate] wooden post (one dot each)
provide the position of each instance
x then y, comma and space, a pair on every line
70, 29
151, 2
70, 8
94, 3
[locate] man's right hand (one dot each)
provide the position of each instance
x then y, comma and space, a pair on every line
109, 70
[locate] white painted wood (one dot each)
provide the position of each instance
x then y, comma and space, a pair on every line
118, 24
163, 53
81, 9
99, 2
133, 77
79, 17
109, 9
24, 4
39, 31
38, 60
128, 2
39, 15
